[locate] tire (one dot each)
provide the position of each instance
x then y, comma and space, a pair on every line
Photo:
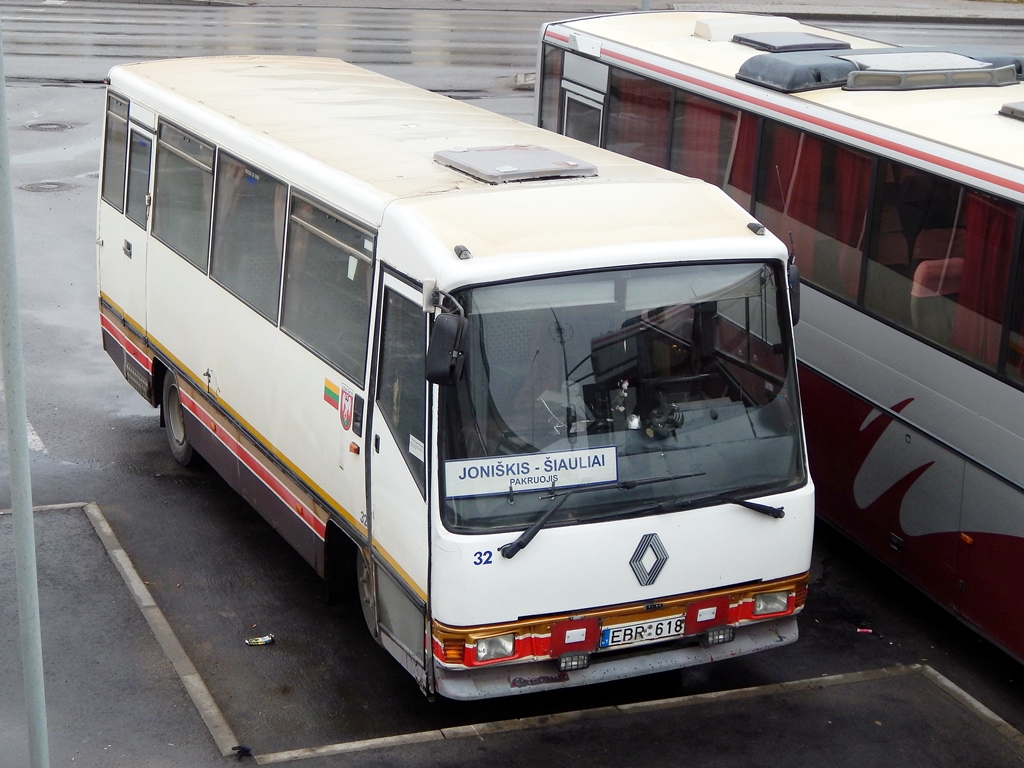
174, 422
364, 585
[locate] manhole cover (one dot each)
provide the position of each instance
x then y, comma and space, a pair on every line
48, 126
47, 186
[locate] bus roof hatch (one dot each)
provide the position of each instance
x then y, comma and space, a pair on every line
780, 42
498, 165
1014, 109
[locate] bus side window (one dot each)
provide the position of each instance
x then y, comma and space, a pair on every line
940, 262
1015, 337
248, 234
139, 154
981, 290
813, 194
639, 115
703, 137
328, 287
401, 388
182, 194
551, 86
115, 149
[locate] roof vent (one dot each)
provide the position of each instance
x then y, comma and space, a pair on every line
1014, 109
904, 60
875, 80
783, 42
904, 70
499, 165
722, 29
995, 58
796, 72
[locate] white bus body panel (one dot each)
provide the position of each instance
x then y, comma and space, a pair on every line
569, 568
419, 235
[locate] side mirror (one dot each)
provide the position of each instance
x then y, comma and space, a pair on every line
446, 352
794, 292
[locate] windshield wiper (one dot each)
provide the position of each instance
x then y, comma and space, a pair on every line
765, 509
674, 506
513, 548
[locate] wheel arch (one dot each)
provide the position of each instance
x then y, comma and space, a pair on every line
157, 387
340, 553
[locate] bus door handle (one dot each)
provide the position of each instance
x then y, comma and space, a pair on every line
127, 249
376, 443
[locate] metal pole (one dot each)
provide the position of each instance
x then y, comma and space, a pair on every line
17, 440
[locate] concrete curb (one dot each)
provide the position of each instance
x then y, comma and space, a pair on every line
196, 688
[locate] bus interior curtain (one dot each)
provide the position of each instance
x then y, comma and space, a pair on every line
977, 324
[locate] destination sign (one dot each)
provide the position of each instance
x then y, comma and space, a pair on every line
529, 472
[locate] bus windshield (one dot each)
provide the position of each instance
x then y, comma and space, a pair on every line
672, 386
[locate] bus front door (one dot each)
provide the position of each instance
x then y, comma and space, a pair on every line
394, 588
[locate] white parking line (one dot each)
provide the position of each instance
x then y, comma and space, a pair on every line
35, 443
974, 705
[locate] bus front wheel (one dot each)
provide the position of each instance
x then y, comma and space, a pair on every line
174, 422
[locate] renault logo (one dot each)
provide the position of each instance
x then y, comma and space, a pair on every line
650, 546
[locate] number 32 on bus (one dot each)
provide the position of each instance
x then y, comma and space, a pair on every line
542, 396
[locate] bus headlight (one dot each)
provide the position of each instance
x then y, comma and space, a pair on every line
497, 647
770, 602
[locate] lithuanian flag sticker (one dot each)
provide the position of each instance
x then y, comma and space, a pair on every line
332, 393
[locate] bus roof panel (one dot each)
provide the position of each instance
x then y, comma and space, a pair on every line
922, 124
325, 115
505, 226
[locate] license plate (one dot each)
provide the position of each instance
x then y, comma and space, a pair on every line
651, 631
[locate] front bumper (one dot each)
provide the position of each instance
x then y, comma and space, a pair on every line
511, 679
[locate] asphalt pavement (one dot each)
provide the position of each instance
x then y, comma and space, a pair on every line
154, 710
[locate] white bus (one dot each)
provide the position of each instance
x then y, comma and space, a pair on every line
541, 395
897, 176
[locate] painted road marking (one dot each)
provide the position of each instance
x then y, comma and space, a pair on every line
35, 443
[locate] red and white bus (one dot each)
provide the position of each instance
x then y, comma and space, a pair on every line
897, 176
554, 427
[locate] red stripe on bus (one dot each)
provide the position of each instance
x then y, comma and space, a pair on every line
130, 347
255, 466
